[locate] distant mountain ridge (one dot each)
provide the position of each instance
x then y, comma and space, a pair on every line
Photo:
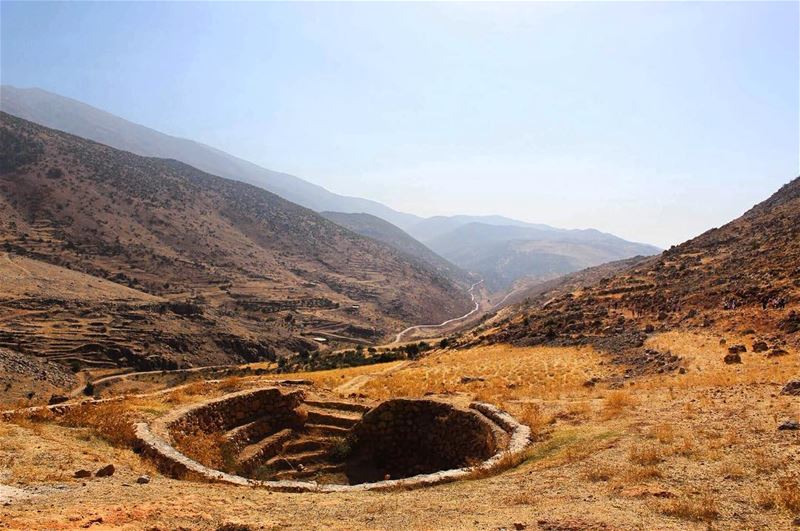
383, 231
504, 254
77, 118
515, 250
743, 277
243, 273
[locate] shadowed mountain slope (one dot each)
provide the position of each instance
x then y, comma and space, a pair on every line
243, 266
383, 231
71, 116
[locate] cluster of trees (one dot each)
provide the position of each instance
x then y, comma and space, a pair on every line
356, 357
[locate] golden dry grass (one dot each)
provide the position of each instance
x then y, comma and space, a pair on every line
701, 508
508, 373
703, 357
113, 421
656, 454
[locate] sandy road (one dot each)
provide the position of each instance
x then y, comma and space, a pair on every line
471, 292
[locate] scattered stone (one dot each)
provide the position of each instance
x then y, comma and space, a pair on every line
234, 527
791, 388
775, 352
57, 399
789, 425
105, 472
90, 523
470, 379
143, 480
591, 382
519, 526
737, 349
722, 341
760, 346
649, 329
82, 474
682, 370
732, 358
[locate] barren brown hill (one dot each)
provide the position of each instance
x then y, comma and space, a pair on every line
742, 277
224, 271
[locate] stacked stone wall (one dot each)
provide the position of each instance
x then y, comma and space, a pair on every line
404, 438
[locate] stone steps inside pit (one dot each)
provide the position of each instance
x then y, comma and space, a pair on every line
308, 444
297, 461
336, 405
251, 432
322, 430
253, 455
330, 417
311, 471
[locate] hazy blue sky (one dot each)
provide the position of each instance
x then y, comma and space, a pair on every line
653, 121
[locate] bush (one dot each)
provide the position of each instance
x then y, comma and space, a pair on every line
55, 173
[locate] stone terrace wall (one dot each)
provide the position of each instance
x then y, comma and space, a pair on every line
236, 409
404, 438
171, 462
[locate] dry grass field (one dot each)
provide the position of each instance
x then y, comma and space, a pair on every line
699, 450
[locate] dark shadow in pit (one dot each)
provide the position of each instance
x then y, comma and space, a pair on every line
402, 438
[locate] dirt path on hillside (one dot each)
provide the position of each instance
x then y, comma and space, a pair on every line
477, 307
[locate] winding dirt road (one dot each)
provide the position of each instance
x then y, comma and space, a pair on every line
471, 292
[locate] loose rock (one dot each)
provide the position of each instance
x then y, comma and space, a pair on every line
143, 480
791, 388
775, 352
760, 346
732, 358
789, 425
83, 474
106, 471
57, 399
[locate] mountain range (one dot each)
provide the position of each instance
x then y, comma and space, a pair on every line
501, 249
742, 278
220, 270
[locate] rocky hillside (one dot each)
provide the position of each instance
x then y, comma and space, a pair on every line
743, 277
505, 254
65, 114
248, 266
383, 231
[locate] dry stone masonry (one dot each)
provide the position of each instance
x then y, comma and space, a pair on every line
288, 441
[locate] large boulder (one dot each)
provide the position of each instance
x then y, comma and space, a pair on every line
791, 388
732, 358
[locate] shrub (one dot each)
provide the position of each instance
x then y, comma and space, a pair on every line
112, 421
55, 173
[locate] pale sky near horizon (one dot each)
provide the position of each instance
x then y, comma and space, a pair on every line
653, 121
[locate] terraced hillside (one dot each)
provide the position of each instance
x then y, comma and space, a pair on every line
742, 277
218, 270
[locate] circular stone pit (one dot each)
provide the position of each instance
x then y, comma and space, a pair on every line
285, 440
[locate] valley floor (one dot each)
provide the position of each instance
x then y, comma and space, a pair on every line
679, 451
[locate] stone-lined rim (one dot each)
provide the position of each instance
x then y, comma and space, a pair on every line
154, 445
